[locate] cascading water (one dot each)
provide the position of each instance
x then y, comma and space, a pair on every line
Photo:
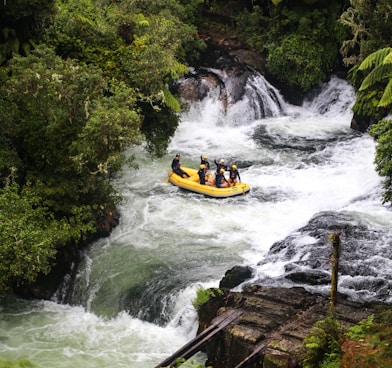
130, 301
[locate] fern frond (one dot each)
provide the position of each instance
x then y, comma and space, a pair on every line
381, 72
171, 101
387, 96
376, 58
178, 70
388, 58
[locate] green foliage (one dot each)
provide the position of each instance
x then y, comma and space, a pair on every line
300, 59
322, 343
29, 235
69, 111
302, 41
373, 78
51, 101
367, 344
364, 345
143, 44
159, 124
21, 25
183, 363
360, 330
23, 363
66, 127
380, 63
370, 27
204, 295
252, 26
382, 132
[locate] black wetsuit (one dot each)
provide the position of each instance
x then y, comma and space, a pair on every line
202, 176
181, 172
175, 163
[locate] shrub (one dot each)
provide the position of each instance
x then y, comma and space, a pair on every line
322, 344
204, 295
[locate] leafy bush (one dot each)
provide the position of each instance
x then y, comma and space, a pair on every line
322, 344
297, 61
204, 295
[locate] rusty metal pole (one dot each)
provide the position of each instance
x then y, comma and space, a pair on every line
335, 238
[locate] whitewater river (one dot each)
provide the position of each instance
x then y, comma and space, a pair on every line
130, 303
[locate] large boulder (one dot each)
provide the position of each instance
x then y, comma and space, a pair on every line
235, 276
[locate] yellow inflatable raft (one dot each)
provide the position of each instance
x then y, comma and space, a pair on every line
192, 184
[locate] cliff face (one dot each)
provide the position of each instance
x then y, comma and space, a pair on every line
273, 324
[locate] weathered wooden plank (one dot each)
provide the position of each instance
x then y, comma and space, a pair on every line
193, 346
256, 351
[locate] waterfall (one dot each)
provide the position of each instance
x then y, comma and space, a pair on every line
240, 97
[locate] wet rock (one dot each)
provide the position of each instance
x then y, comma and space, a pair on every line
309, 277
307, 251
235, 276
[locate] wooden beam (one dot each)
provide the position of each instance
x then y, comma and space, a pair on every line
195, 345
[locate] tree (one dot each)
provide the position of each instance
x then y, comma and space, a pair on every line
144, 44
68, 128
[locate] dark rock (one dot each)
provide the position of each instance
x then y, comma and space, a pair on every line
360, 123
309, 277
235, 276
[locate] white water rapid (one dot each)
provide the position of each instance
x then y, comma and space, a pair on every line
130, 304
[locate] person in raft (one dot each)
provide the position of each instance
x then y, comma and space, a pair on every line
204, 161
234, 174
219, 166
175, 162
220, 180
203, 175
180, 171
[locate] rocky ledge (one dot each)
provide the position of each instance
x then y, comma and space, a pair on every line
274, 321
